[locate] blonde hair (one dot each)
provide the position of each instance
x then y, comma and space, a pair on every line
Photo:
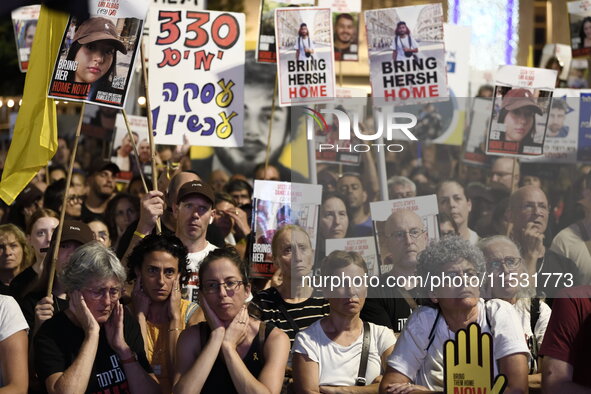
28, 254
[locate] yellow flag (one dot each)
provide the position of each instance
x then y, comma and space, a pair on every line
35, 134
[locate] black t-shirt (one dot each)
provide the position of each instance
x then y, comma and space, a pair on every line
5, 290
386, 307
88, 216
29, 302
21, 281
59, 340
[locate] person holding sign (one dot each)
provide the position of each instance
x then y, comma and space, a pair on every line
403, 46
93, 54
417, 361
304, 45
327, 355
518, 113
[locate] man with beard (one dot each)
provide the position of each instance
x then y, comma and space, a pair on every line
345, 37
101, 188
391, 306
528, 214
556, 127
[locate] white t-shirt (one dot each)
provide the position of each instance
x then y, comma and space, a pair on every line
11, 322
398, 45
425, 367
473, 237
194, 261
338, 365
569, 243
303, 43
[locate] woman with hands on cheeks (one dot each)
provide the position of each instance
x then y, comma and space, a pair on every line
94, 345
231, 352
158, 264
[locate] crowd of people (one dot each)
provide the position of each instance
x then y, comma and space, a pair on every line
153, 292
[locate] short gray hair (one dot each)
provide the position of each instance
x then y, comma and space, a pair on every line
91, 261
449, 250
401, 180
486, 242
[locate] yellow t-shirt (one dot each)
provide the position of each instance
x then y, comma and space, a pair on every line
157, 346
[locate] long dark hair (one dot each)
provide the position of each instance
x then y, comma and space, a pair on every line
582, 31
105, 80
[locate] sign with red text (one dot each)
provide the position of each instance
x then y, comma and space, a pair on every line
424, 207
197, 77
345, 24
521, 105
266, 51
365, 246
24, 21
96, 59
305, 56
579, 15
407, 53
276, 204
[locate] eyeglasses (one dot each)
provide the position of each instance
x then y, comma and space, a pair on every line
509, 262
214, 287
401, 235
96, 294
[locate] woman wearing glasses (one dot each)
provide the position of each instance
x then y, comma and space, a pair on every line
231, 352
94, 345
504, 262
158, 265
417, 361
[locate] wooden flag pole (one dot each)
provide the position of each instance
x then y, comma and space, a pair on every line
268, 151
137, 155
150, 130
60, 227
513, 173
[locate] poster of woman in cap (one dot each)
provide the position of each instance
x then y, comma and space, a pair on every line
96, 57
520, 111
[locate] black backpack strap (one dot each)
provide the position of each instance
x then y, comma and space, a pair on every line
432, 332
360, 381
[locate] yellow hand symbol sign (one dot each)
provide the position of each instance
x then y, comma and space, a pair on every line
469, 364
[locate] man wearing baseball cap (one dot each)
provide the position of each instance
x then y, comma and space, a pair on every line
101, 188
518, 111
194, 213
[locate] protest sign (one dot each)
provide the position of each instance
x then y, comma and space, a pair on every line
275, 205
520, 111
406, 53
266, 51
365, 246
424, 207
122, 152
345, 22
95, 61
479, 125
305, 64
24, 21
579, 15
557, 53
457, 39
197, 77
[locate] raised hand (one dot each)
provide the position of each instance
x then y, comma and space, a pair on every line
141, 302
174, 302
43, 310
151, 208
236, 331
114, 330
468, 362
83, 315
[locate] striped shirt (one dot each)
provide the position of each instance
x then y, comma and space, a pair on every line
303, 313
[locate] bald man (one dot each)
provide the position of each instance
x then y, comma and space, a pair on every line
528, 215
406, 237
